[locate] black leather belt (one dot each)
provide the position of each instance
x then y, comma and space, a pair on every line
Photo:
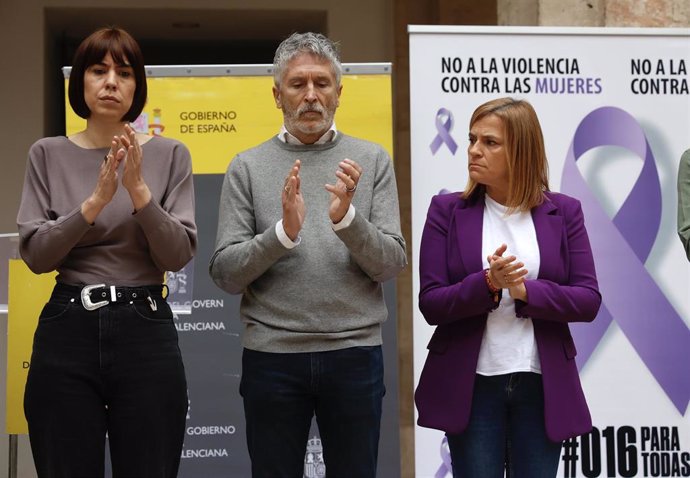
98, 295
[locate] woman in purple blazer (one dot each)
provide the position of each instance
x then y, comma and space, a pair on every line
504, 267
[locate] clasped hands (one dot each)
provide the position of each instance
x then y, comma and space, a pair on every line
341, 193
122, 148
508, 273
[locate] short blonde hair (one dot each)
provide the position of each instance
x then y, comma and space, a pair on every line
528, 168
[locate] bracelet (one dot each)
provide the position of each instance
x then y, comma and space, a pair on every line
493, 290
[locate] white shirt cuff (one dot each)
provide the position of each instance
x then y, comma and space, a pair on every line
346, 220
283, 237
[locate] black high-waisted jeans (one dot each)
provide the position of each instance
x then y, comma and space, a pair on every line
114, 370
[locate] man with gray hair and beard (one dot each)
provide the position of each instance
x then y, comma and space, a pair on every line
308, 229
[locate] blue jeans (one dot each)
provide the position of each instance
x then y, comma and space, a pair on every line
114, 370
506, 432
283, 391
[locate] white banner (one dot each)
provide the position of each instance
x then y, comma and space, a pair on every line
614, 107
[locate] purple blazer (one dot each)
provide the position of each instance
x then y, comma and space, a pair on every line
454, 297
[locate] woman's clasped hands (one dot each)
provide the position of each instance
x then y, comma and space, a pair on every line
125, 148
507, 273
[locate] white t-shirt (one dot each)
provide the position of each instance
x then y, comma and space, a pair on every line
508, 344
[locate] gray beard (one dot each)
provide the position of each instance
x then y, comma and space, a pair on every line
294, 124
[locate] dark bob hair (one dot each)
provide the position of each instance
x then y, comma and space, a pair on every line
125, 50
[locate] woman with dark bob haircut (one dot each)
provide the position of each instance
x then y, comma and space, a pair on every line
111, 210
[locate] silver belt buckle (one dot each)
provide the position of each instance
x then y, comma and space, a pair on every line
86, 298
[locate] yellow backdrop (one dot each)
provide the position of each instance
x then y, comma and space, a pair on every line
218, 117
27, 294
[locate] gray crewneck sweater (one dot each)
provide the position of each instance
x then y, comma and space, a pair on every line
324, 294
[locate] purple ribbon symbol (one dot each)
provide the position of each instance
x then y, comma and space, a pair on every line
446, 466
621, 247
443, 129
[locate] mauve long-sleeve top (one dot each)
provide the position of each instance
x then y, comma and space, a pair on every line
121, 247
